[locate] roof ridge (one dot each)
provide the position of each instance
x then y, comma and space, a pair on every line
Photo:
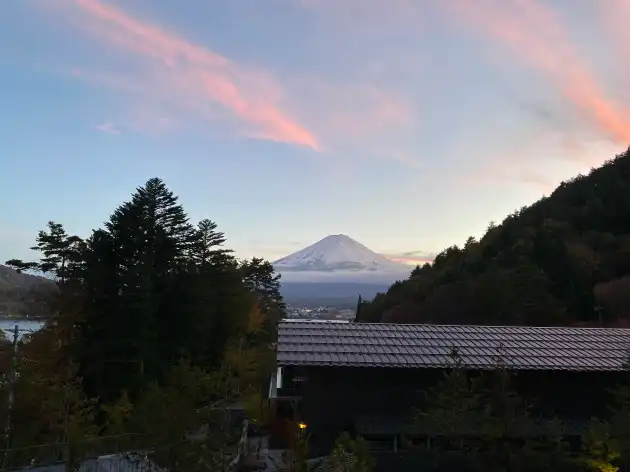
401, 325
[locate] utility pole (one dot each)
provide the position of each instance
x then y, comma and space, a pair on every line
10, 397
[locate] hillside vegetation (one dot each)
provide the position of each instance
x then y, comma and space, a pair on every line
23, 295
563, 260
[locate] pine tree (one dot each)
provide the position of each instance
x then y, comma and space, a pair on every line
208, 248
259, 276
130, 268
618, 425
195, 437
62, 252
506, 420
351, 455
163, 214
21, 266
452, 408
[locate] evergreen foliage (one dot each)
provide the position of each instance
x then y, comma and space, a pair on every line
563, 260
156, 327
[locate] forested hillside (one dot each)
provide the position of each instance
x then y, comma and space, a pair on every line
22, 295
563, 260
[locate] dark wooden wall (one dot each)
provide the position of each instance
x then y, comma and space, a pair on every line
333, 397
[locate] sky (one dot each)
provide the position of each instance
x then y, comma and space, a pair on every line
408, 125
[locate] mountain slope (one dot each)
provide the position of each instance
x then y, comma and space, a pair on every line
563, 260
22, 294
338, 256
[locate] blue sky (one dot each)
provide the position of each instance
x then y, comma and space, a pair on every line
406, 124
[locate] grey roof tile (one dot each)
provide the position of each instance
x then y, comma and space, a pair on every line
397, 345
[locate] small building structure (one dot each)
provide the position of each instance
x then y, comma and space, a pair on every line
364, 378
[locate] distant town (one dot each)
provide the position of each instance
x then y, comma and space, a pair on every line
320, 313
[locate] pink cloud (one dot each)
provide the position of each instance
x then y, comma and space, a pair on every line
534, 32
361, 121
355, 110
615, 14
168, 82
175, 72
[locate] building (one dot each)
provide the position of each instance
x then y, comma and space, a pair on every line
364, 378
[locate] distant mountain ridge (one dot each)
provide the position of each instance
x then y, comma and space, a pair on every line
22, 294
339, 257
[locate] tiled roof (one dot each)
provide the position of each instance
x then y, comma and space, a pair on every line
421, 345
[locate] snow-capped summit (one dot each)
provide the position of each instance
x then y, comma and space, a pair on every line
341, 257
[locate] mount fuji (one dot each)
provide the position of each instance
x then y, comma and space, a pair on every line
339, 258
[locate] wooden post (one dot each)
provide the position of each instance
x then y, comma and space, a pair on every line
10, 398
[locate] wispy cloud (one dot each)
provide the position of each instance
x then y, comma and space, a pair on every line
364, 110
350, 114
615, 14
173, 71
412, 257
491, 174
167, 81
368, 11
534, 32
538, 164
108, 128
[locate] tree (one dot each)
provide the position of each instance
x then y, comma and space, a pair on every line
608, 442
20, 266
351, 455
600, 447
118, 415
62, 253
260, 277
208, 245
505, 416
517, 439
540, 266
51, 406
164, 219
548, 450
194, 437
250, 361
131, 267
451, 409
154, 323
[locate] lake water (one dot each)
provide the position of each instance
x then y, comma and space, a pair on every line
23, 325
